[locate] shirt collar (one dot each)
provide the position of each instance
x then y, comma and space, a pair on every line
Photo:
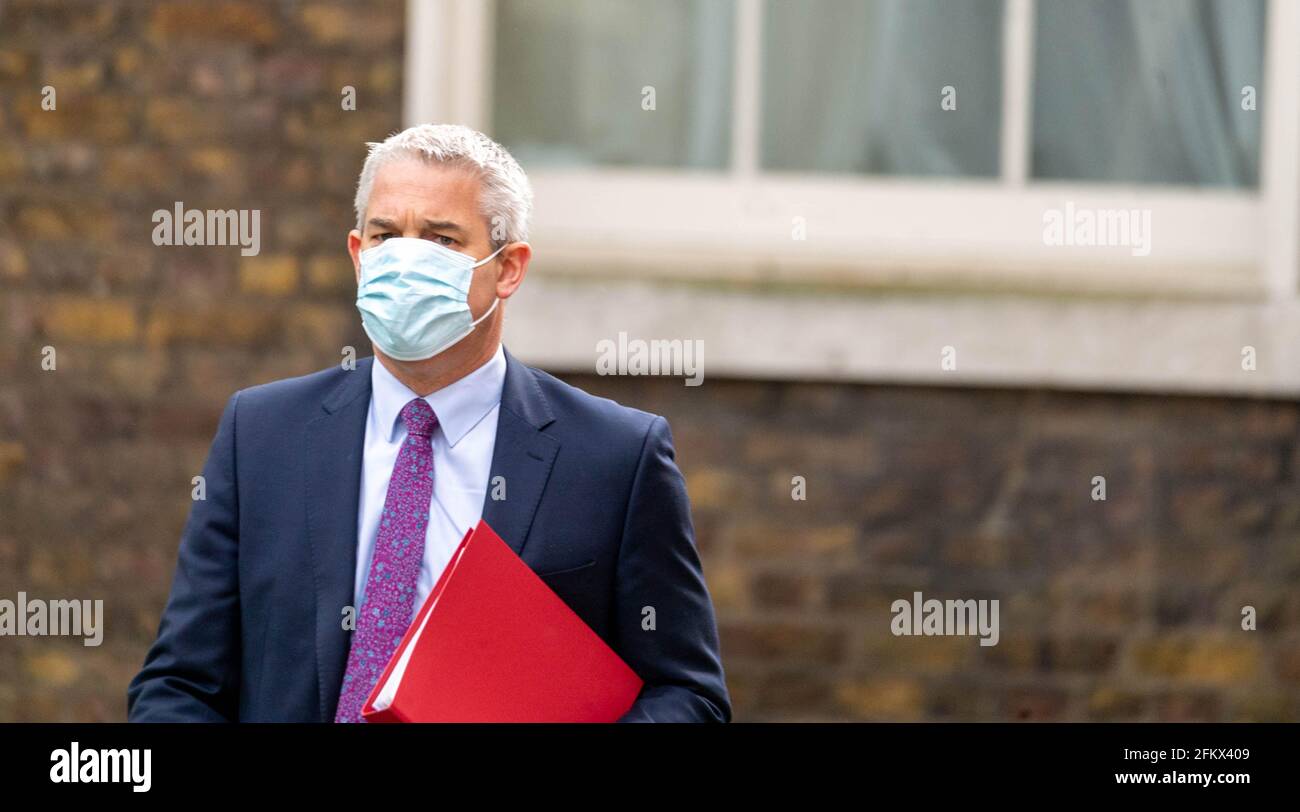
459, 405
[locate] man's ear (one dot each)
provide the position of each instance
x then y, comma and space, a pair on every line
514, 267
354, 250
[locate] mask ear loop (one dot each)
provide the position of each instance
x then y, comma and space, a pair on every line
495, 300
475, 322
489, 256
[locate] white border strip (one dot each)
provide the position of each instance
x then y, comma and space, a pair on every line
1129, 345
1017, 90
1279, 165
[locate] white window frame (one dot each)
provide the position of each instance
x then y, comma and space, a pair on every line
881, 233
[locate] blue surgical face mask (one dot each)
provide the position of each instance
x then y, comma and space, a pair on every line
413, 296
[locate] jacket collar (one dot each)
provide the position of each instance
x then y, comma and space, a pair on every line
460, 405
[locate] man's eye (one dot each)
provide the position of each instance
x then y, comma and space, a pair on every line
384, 236
445, 241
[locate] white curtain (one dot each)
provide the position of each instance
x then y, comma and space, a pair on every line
1148, 91
569, 79
857, 85
1144, 91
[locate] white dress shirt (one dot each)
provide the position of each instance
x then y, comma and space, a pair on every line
463, 442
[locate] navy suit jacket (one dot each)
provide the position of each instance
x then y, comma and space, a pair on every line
595, 504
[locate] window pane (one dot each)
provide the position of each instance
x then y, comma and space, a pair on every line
1148, 91
569, 79
858, 86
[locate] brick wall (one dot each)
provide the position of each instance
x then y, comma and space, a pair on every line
1123, 609
217, 105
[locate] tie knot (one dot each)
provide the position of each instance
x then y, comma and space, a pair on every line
419, 417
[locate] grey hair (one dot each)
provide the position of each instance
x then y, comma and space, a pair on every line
505, 195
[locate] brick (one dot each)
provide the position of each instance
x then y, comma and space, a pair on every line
986, 551
1189, 706
12, 458
1180, 605
385, 77
880, 698
213, 161
958, 700
1107, 704
293, 76
54, 669
140, 167
239, 21
786, 691
861, 592
134, 374
321, 326
1197, 506
43, 221
1287, 664
213, 325
15, 63
13, 263
1013, 653
90, 319
774, 448
784, 590
269, 275
727, 587
230, 73
1195, 659
331, 274
899, 548
743, 686
916, 655
327, 24
1266, 706
332, 25
111, 117
1086, 655
298, 175
1099, 608
77, 75
713, 487
182, 121
299, 230
783, 641
127, 60
1034, 704
770, 539
12, 162
62, 220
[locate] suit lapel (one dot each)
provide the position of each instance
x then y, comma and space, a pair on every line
522, 457
335, 445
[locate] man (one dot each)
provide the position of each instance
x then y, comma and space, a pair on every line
352, 487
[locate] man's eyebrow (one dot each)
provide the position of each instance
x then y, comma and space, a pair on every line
428, 225
443, 225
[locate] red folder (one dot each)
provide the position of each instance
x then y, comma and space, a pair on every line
493, 643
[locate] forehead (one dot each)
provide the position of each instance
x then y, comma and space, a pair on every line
408, 187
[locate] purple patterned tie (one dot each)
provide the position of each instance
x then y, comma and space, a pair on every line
389, 601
